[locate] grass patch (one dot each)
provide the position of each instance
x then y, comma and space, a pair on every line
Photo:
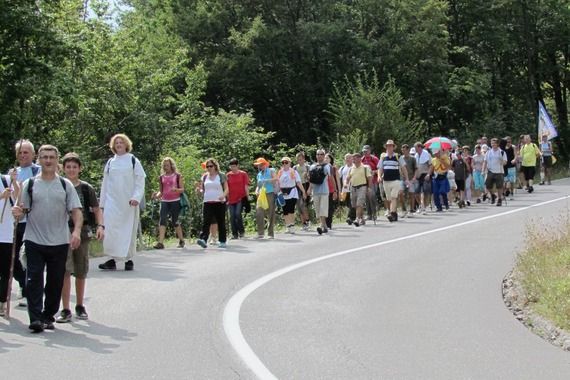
544, 270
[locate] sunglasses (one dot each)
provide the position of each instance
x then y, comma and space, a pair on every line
285, 162
209, 166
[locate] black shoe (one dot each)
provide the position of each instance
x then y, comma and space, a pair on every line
478, 200
485, 197
355, 223
325, 230
181, 244
234, 237
129, 265
319, 230
392, 218
469, 203
349, 221
439, 210
158, 246
541, 183
530, 189
36, 326
493, 199
64, 316
81, 313
108, 265
499, 203
507, 193
49, 325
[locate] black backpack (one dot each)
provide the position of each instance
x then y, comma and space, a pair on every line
317, 174
90, 215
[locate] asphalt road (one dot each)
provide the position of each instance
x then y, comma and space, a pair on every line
422, 300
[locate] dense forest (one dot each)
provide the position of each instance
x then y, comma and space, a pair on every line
224, 78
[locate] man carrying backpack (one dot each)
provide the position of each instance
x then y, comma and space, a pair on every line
319, 188
47, 200
78, 259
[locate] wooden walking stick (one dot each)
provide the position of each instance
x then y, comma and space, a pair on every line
14, 238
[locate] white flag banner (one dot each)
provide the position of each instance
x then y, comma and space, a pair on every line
545, 124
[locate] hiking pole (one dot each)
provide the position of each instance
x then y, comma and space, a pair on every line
14, 239
11, 273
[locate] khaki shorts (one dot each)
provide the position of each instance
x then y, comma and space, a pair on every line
78, 259
358, 196
392, 189
321, 202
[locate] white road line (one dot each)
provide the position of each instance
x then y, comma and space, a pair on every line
233, 307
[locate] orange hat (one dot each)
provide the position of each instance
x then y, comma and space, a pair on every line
203, 165
261, 161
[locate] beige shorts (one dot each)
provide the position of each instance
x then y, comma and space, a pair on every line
78, 259
392, 189
321, 202
358, 196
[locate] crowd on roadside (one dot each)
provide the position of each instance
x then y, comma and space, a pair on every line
67, 213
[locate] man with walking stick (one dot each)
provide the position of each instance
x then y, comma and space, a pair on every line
25, 155
47, 199
9, 191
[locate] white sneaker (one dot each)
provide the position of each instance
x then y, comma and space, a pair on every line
290, 230
2, 309
424, 212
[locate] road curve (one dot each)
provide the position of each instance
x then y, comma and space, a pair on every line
422, 307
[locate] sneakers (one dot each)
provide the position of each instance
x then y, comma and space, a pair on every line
507, 193
129, 265
393, 217
48, 325
493, 199
290, 229
234, 237
80, 312
530, 189
36, 326
541, 183
158, 246
485, 197
108, 265
424, 212
320, 230
22, 302
305, 226
202, 243
356, 223
181, 244
469, 203
349, 221
478, 200
64, 316
222, 245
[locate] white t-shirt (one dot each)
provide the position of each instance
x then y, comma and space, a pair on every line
289, 178
495, 160
213, 189
7, 226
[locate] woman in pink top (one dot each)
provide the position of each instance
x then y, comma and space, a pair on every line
171, 186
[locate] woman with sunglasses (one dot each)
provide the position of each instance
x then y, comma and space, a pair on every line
290, 184
214, 186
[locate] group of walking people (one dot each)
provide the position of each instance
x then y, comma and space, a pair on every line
47, 221
53, 217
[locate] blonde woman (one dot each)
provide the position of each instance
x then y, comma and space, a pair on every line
122, 190
171, 185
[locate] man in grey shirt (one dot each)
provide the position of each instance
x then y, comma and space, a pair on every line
47, 239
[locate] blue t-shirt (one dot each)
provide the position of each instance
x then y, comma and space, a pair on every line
264, 179
323, 188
